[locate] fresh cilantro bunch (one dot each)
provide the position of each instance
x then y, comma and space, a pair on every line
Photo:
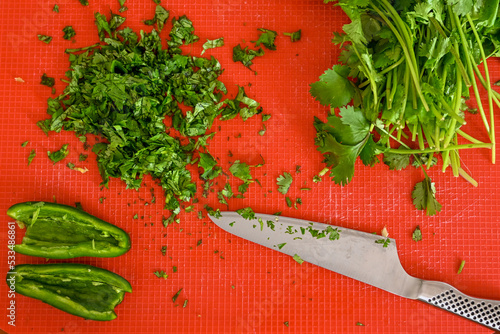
406, 69
124, 87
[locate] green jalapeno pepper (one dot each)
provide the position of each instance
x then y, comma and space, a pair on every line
82, 290
57, 231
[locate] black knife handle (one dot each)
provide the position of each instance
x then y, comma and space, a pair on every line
482, 311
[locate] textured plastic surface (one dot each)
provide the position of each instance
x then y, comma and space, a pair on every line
233, 286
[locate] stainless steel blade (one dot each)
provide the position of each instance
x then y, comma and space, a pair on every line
366, 257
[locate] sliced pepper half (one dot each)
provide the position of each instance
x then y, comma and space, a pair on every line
82, 290
58, 231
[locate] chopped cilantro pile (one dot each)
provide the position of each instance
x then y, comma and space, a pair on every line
124, 87
406, 69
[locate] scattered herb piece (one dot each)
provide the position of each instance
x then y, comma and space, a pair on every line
240, 170
288, 201
25, 143
284, 182
417, 234
31, 156
287, 324
83, 157
199, 242
174, 298
59, 155
174, 269
182, 32
462, 265
44, 38
214, 43
241, 105
136, 216
246, 213
266, 38
209, 165
280, 246
185, 303
161, 274
55, 9
298, 259
359, 324
160, 18
47, 81
84, 2
69, 32
294, 36
17, 79
424, 197
245, 56
384, 242
164, 251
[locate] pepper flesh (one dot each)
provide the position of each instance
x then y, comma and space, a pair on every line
58, 231
82, 290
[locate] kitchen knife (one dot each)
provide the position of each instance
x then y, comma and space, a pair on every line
366, 257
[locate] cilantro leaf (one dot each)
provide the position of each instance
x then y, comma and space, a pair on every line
59, 155
241, 105
298, 259
417, 234
55, 9
182, 32
209, 165
47, 81
333, 87
245, 56
31, 156
342, 140
160, 18
214, 43
44, 38
396, 161
69, 32
246, 213
284, 182
266, 38
294, 36
241, 170
424, 197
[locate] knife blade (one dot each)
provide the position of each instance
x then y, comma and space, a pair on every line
366, 257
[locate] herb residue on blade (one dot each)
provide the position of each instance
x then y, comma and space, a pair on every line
412, 63
124, 87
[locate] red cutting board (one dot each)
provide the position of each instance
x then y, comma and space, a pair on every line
234, 286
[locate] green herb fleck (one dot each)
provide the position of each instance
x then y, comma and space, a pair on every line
59, 155
55, 9
161, 274
246, 213
284, 182
287, 324
462, 265
294, 36
31, 156
84, 2
298, 259
25, 143
384, 242
417, 234
174, 298
199, 242
245, 56
266, 38
185, 303
211, 44
280, 246
44, 38
163, 250
69, 32
47, 81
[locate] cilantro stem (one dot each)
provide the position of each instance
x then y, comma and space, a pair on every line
454, 52
408, 51
442, 149
373, 84
468, 137
488, 88
468, 56
82, 49
384, 71
467, 177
